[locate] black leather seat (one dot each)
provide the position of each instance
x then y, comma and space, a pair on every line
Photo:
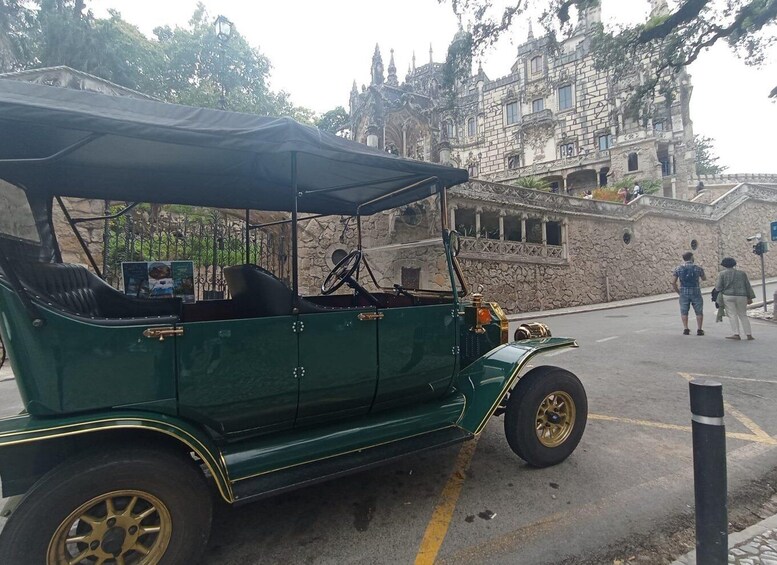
258, 292
75, 290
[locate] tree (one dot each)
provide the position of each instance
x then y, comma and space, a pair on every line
706, 160
197, 66
15, 23
334, 120
657, 50
185, 65
535, 183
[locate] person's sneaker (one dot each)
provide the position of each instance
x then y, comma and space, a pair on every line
686, 331
733, 337
750, 338
699, 332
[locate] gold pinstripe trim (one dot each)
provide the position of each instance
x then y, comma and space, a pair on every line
513, 377
221, 478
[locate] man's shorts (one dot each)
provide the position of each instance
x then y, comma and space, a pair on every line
695, 299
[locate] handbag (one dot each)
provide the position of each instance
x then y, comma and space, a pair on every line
714, 295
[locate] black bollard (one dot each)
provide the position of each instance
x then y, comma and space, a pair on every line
709, 472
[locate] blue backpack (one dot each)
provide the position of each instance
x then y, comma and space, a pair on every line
689, 276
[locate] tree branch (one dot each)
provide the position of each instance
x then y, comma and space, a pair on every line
687, 12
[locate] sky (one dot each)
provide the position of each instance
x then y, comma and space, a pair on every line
319, 47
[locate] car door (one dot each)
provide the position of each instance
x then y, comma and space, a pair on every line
239, 375
338, 371
417, 353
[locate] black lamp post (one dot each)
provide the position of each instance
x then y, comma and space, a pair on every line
223, 33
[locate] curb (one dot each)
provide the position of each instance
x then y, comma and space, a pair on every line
520, 316
735, 539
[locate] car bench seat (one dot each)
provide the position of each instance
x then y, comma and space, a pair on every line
258, 292
74, 290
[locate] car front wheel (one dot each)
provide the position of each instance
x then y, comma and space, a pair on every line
545, 416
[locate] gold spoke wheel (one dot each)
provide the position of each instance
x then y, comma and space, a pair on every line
124, 527
555, 419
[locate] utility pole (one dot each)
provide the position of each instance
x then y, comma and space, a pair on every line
223, 33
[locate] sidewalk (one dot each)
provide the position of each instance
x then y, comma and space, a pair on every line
756, 545
521, 316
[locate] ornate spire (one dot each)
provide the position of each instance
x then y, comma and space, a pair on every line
354, 95
392, 71
414, 60
431, 60
409, 74
377, 67
531, 32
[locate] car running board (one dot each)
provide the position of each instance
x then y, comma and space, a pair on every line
271, 484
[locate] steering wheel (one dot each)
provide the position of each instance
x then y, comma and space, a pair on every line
341, 272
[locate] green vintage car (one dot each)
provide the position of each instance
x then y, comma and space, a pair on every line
137, 409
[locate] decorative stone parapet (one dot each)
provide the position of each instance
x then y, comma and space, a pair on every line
511, 251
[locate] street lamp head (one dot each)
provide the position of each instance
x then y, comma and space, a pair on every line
223, 29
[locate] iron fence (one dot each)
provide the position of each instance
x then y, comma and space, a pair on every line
211, 239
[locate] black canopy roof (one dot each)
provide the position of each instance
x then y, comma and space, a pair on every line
56, 141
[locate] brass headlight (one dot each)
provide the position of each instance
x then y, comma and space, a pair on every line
531, 330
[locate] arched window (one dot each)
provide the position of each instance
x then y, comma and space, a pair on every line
633, 162
536, 64
472, 169
471, 127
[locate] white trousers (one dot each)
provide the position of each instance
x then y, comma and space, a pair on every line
736, 309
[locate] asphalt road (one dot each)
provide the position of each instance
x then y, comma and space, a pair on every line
478, 503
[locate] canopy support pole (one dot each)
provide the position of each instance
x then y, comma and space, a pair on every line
248, 234
80, 239
294, 255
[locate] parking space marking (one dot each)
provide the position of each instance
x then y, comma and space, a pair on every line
607, 339
438, 525
744, 420
763, 437
690, 376
559, 352
642, 330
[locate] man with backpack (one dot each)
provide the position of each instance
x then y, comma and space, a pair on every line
688, 274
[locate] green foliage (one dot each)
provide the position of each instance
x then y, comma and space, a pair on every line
186, 65
334, 120
16, 23
657, 50
706, 160
534, 183
648, 186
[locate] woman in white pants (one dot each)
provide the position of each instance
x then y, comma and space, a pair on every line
734, 287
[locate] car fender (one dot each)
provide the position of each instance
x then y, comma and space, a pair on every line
486, 381
26, 440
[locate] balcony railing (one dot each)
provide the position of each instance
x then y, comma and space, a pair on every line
536, 118
504, 249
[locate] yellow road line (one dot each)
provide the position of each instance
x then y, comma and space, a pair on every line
438, 526
746, 422
757, 438
690, 376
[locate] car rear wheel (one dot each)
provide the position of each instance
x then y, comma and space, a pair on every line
128, 507
545, 416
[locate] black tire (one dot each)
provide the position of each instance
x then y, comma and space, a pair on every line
523, 416
174, 485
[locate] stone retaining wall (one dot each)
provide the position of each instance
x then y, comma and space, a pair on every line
599, 265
